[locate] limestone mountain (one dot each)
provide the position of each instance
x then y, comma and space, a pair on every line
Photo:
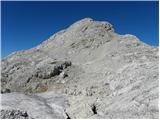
99, 73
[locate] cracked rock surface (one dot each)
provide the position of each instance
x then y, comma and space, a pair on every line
84, 71
14, 114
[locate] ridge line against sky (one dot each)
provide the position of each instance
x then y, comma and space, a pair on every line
30, 23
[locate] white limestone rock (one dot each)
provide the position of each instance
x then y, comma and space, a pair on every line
38, 106
117, 74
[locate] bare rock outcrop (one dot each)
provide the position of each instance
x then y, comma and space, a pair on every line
36, 106
101, 74
14, 114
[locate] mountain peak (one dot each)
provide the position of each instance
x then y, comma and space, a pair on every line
89, 23
96, 69
87, 19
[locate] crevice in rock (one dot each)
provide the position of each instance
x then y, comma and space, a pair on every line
68, 117
94, 109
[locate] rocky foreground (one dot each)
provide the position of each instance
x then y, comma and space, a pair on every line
84, 71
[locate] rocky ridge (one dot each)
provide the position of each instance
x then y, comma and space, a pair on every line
95, 72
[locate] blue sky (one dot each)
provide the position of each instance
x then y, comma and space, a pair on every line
26, 24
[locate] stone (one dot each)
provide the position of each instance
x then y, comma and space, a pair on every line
13, 114
20, 106
5, 90
63, 75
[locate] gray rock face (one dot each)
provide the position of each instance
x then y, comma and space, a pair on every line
33, 77
45, 106
101, 74
13, 114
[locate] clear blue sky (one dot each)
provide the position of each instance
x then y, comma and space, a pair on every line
26, 24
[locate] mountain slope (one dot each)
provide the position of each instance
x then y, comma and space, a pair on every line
101, 73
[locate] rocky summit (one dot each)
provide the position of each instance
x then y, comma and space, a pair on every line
84, 71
